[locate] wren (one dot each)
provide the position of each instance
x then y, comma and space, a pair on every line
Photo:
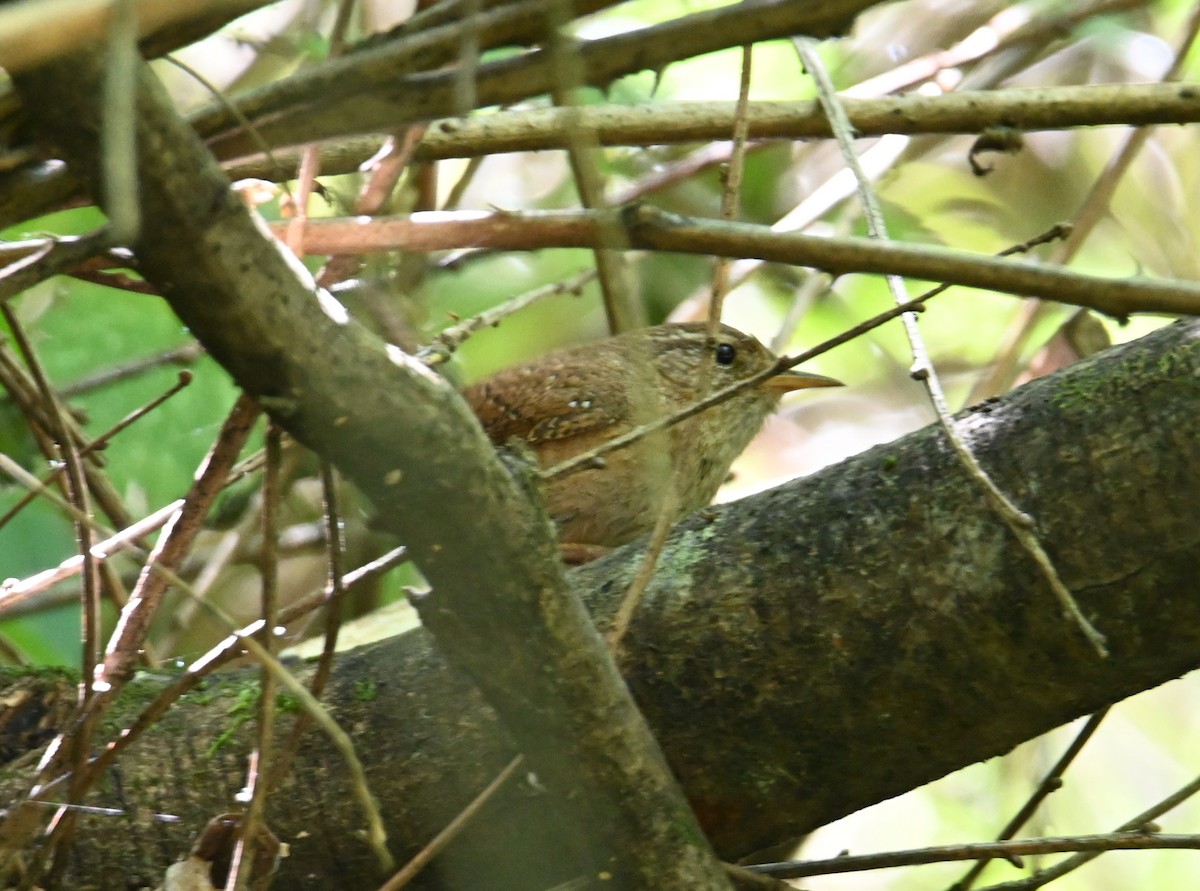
570, 401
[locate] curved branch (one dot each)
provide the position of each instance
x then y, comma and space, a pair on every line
501, 606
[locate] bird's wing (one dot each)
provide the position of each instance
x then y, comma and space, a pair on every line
545, 404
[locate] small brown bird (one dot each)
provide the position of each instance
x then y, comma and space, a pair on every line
570, 401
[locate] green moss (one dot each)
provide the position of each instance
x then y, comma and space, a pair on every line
689, 549
245, 702
365, 690
1081, 388
221, 740
10, 674
202, 695
242, 709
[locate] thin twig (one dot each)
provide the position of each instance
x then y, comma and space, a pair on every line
1050, 783
76, 490
310, 158
732, 192
1137, 824
745, 879
647, 563
582, 146
455, 195
652, 229
1018, 522
470, 47
306, 180
450, 339
51, 777
259, 774
452, 829
174, 543
670, 504
187, 354
99, 443
72, 751
31, 482
1002, 31
282, 173
225, 651
53, 256
118, 124
1001, 371
335, 592
1094, 845
375, 833
67, 754
335, 544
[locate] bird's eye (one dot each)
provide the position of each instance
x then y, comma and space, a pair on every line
725, 354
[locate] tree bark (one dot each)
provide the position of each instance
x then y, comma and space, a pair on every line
800, 654
501, 605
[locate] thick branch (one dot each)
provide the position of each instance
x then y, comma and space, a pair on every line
501, 607
854, 635
802, 653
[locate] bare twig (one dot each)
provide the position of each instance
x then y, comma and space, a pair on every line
650, 228
541, 129
1136, 825
222, 653
1000, 373
376, 834
445, 343
72, 751
623, 313
118, 153
187, 354
421, 859
36, 261
76, 490
335, 591
134, 623
100, 442
1005, 29
280, 172
586, 459
1121, 840
259, 774
1050, 783
670, 504
1018, 522
732, 191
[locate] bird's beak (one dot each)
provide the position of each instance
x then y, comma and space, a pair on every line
787, 381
